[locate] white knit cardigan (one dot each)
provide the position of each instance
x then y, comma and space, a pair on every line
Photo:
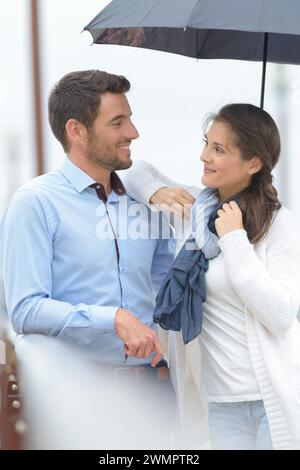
267, 279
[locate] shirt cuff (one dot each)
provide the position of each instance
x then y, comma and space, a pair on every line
235, 240
103, 318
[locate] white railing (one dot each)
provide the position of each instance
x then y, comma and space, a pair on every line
70, 404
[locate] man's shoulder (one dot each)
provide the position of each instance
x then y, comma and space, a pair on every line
42, 182
137, 207
31, 193
39, 185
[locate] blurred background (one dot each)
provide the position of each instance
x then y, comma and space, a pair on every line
170, 95
41, 40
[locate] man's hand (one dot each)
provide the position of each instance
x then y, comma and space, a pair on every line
175, 200
230, 218
139, 340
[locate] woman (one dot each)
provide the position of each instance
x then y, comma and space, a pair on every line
246, 362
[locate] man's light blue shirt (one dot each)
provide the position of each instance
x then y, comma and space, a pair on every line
59, 263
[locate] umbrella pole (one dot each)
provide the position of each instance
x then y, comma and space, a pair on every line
263, 79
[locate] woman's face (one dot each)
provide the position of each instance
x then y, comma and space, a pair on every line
224, 168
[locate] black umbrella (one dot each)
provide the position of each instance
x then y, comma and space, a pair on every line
256, 30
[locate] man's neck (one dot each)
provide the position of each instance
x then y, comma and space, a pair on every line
99, 174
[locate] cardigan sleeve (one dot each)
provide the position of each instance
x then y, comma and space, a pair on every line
143, 180
270, 291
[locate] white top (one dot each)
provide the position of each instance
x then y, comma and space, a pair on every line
267, 280
228, 375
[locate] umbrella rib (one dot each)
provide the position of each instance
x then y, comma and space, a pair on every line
146, 14
191, 15
198, 51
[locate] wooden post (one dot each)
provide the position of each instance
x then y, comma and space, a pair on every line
36, 74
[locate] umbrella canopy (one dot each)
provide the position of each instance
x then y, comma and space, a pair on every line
256, 30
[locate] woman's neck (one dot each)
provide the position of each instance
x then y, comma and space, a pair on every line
229, 195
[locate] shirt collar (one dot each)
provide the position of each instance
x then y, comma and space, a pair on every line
81, 180
116, 186
78, 178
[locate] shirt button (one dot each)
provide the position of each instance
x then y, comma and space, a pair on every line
123, 270
98, 186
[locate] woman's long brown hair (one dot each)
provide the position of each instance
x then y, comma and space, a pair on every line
255, 134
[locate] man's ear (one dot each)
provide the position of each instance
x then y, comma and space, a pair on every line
75, 130
255, 165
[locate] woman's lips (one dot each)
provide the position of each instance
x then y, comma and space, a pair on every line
208, 170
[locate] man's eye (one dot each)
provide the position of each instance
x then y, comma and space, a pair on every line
117, 124
219, 150
205, 141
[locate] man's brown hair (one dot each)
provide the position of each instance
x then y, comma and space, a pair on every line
78, 96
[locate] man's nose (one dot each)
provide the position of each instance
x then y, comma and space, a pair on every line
132, 132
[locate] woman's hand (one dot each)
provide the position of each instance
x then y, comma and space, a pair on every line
230, 218
175, 200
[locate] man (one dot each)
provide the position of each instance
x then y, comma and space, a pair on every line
62, 276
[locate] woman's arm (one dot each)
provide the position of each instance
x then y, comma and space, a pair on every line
271, 291
147, 185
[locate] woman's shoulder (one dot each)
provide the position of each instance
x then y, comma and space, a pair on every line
283, 216
285, 227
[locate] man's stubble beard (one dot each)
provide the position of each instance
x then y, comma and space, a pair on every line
108, 162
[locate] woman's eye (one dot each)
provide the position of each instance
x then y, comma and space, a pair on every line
205, 141
219, 150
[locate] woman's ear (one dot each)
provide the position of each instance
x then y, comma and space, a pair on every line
255, 165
